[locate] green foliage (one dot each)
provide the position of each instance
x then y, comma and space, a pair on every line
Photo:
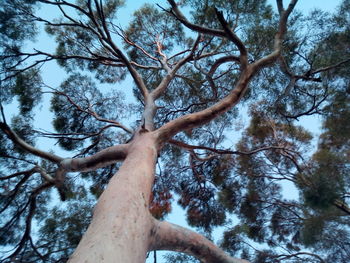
327, 181
15, 22
84, 46
28, 90
203, 210
77, 120
63, 229
323, 191
180, 258
21, 124
204, 13
216, 183
312, 230
232, 240
230, 195
16, 26
337, 122
282, 228
149, 26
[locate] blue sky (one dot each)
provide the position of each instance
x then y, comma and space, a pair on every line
54, 75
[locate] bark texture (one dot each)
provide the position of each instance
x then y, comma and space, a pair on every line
122, 229
121, 217
174, 237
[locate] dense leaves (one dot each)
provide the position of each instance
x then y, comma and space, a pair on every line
280, 191
16, 26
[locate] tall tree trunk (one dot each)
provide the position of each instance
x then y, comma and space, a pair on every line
120, 230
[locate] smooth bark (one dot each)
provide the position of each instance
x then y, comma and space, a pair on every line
176, 238
103, 158
120, 228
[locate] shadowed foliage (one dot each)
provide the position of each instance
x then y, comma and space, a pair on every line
229, 88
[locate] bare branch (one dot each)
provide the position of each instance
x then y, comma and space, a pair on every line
156, 93
12, 194
340, 204
172, 237
221, 151
103, 34
131, 43
91, 112
145, 67
234, 38
19, 142
58, 3
103, 158
196, 119
175, 11
282, 28
331, 66
2, 112
285, 256
28, 221
30, 171
74, 135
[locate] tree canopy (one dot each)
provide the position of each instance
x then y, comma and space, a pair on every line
186, 71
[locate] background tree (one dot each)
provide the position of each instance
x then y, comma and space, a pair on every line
192, 75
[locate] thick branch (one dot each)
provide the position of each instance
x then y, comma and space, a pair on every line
234, 38
282, 29
148, 114
221, 61
280, 6
172, 237
103, 158
212, 70
19, 142
199, 118
196, 119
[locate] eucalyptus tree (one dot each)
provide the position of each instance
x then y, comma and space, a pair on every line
191, 67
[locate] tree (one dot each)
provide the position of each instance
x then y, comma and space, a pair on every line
191, 76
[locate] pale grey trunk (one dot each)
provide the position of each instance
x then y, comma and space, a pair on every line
121, 224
